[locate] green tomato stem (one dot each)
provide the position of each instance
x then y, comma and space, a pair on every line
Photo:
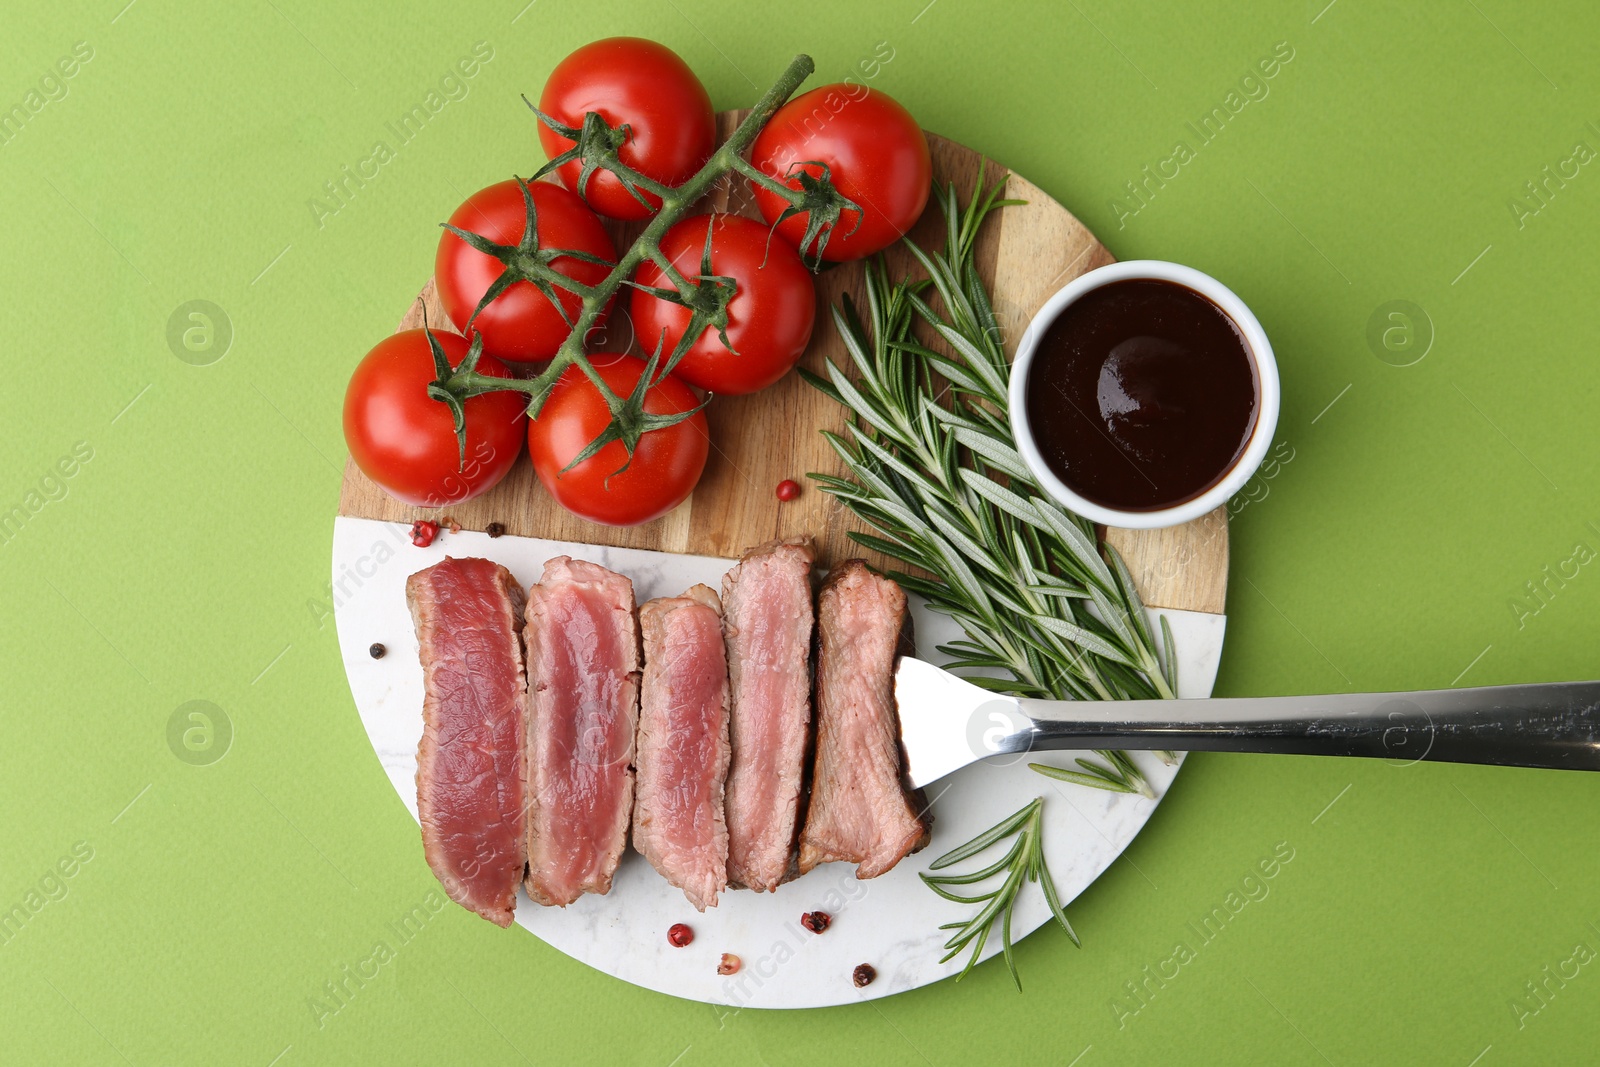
628, 417
675, 205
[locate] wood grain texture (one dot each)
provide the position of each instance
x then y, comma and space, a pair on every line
1179, 567
1025, 254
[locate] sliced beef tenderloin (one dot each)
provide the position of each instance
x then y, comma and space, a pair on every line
767, 622
682, 751
468, 617
583, 697
860, 808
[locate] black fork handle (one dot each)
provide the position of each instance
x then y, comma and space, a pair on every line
1554, 725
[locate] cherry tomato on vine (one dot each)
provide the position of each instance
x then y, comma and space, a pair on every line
406, 442
769, 317
666, 463
520, 325
645, 85
876, 154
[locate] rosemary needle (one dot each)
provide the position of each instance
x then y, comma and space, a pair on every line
1022, 863
933, 470
1045, 611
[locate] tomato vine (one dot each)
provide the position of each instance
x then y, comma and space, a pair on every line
595, 147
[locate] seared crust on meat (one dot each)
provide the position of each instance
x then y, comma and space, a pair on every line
860, 808
681, 755
468, 617
767, 623
583, 700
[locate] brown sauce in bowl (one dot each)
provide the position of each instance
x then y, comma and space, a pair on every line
1142, 395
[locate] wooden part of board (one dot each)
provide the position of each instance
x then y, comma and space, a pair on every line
1025, 254
1179, 567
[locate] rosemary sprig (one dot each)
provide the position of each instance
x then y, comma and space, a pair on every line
1121, 776
1023, 862
1046, 612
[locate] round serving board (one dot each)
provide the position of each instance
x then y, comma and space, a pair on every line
1025, 254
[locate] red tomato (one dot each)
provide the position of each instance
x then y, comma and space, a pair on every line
666, 464
645, 85
769, 317
877, 156
521, 324
406, 441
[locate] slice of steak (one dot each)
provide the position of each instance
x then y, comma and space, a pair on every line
468, 616
860, 809
583, 697
767, 621
682, 748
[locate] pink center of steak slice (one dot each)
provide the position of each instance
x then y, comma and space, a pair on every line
469, 763
582, 659
683, 750
860, 810
767, 621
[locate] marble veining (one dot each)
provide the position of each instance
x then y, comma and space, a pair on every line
890, 922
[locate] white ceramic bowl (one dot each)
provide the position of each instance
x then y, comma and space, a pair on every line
1257, 346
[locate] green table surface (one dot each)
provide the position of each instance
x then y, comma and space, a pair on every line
1432, 525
